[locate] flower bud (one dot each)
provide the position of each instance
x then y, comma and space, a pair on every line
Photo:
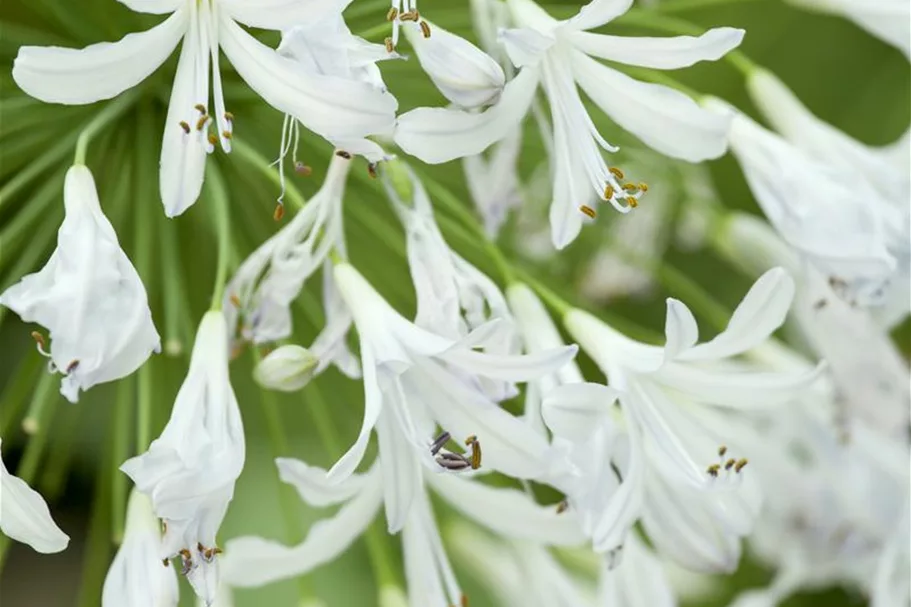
287, 368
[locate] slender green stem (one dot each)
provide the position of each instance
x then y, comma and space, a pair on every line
17, 389
123, 404
144, 407
60, 453
33, 169
108, 114
218, 193
98, 543
178, 327
37, 418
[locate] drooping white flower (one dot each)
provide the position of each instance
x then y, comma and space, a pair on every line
824, 213
287, 368
330, 105
863, 364
558, 56
88, 296
258, 297
189, 471
417, 377
24, 515
888, 20
890, 181
136, 576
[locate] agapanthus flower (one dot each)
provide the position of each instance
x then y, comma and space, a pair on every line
25, 517
558, 56
189, 471
332, 106
88, 296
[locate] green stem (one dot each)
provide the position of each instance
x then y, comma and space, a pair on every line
144, 407
36, 419
219, 195
121, 447
19, 386
33, 169
96, 556
104, 117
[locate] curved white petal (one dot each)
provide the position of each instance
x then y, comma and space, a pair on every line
312, 485
465, 74
508, 512
664, 119
529, 13
332, 107
639, 581
525, 46
280, 14
623, 508
155, 7
253, 561
24, 515
401, 471
100, 71
437, 135
598, 12
518, 367
762, 310
680, 329
660, 53
571, 411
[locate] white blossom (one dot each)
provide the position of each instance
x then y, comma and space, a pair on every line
88, 296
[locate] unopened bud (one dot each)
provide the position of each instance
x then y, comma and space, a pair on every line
287, 368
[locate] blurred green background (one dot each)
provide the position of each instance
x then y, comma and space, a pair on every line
845, 76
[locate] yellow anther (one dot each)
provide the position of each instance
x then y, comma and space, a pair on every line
643, 186
227, 134
201, 123
235, 300
390, 47
212, 139
722, 450
279, 212
740, 464
588, 211
200, 108
632, 202
630, 187
392, 14
713, 470
729, 464
229, 116
608, 192
616, 172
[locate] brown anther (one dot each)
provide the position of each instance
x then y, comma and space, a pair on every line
184, 553
343, 154
740, 464
471, 439
722, 450
279, 212
464, 601
201, 123
371, 170
229, 117
632, 202
237, 350
74, 364
730, 463
409, 16
475, 451
392, 14
185, 126
217, 550
212, 139
643, 186
235, 300
713, 470
227, 134
562, 507
165, 562
616, 172
200, 547
39, 339
390, 47
425, 29
302, 169
588, 211
200, 108
630, 187
608, 192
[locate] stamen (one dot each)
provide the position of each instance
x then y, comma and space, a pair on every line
201, 123
229, 117
212, 139
371, 170
227, 134
343, 154
390, 47
740, 464
392, 14
632, 202
185, 126
409, 16
425, 29
608, 192
453, 461
200, 108
438, 442
74, 364
279, 212
165, 562
464, 601
562, 507
588, 211
713, 470
722, 450
616, 172
235, 300
40, 342
643, 186
472, 441
302, 169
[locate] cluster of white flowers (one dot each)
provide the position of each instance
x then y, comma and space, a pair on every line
691, 446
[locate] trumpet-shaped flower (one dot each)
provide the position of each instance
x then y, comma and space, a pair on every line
330, 105
136, 576
824, 213
88, 296
558, 55
189, 471
24, 515
888, 20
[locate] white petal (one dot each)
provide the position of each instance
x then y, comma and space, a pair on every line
312, 485
253, 561
524, 367
24, 516
759, 314
598, 12
508, 512
529, 13
99, 71
279, 14
624, 507
639, 581
680, 329
525, 46
659, 53
465, 74
156, 7
437, 135
330, 106
401, 471
572, 411
664, 119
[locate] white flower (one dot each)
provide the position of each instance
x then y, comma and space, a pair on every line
88, 296
331, 106
873, 166
189, 471
417, 377
829, 216
863, 363
888, 20
258, 297
287, 368
24, 515
558, 56
136, 576
466, 75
